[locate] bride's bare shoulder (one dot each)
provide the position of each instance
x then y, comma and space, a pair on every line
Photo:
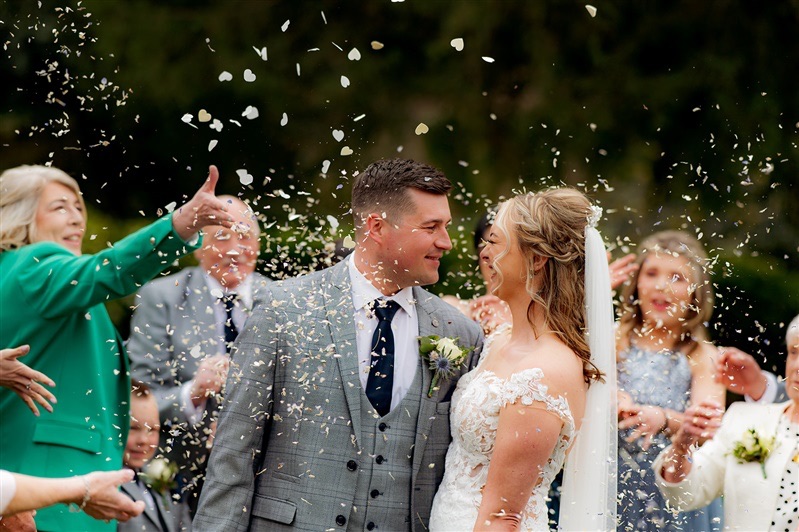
562, 369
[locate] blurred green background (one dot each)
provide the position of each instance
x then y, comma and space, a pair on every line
669, 114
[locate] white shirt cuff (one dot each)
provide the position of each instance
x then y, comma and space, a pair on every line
193, 415
769, 394
8, 487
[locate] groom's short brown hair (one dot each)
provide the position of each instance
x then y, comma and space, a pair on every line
383, 187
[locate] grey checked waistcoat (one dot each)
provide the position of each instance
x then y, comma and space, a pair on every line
383, 490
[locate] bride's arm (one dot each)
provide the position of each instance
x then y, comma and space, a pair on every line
526, 436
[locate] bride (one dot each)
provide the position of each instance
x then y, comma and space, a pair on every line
517, 414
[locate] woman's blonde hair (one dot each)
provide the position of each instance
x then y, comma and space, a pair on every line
20, 190
552, 224
700, 309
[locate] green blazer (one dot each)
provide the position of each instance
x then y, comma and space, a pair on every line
53, 300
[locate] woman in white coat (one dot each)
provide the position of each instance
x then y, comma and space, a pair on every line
753, 460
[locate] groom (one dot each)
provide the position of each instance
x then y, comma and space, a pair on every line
328, 423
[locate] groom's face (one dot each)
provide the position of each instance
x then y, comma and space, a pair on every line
418, 240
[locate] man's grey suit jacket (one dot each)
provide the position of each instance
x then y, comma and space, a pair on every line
287, 451
172, 330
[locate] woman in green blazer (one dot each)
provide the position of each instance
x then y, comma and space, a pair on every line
51, 298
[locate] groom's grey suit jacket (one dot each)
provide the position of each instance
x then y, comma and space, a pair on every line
287, 453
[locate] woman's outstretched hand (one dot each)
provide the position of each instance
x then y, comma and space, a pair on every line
201, 210
24, 381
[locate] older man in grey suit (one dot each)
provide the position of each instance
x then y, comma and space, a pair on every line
181, 334
331, 422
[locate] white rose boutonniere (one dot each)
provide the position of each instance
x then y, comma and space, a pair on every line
444, 356
160, 475
754, 447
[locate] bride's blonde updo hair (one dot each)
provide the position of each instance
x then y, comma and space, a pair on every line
552, 224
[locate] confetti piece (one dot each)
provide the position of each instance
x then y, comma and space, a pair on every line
244, 177
250, 112
345, 81
377, 45
249, 76
488, 59
196, 351
325, 166
333, 221
354, 55
216, 125
338, 135
346, 151
171, 206
457, 44
284, 120
186, 118
591, 10
261, 53
204, 116
225, 76
212, 144
422, 128
348, 243
285, 26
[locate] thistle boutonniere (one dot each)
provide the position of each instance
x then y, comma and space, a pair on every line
754, 447
160, 475
444, 356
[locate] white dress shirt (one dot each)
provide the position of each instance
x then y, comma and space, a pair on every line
240, 314
405, 327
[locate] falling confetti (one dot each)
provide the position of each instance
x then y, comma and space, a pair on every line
285, 26
345, 81
250, 112
325, 166
203, 116
225, 76
261, 53
346, 151
216, 125
284, 120
338, 135
245, 178
488, 59
377, 45
591, 10
354, 55
212, 144
457, 44
249, 76
421, 129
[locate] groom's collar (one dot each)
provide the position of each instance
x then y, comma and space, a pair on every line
364, 292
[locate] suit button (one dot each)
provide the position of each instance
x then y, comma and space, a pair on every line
382, 427
374, 494
341, 520
352, 465
380, 459
370, 526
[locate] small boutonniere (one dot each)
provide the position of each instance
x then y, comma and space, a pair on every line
160, 475
444, 356
754, 447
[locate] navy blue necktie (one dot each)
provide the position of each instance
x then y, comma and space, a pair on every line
381, 372
230, 327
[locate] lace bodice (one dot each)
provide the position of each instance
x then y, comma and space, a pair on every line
476, 404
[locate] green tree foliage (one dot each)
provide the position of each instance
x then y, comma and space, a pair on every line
670, 114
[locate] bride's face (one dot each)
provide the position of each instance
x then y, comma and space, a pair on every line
505, 266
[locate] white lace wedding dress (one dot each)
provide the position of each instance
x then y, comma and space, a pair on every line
476, 404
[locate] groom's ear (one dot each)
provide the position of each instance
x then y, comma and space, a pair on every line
375, 227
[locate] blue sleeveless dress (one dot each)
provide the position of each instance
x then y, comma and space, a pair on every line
660, 378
